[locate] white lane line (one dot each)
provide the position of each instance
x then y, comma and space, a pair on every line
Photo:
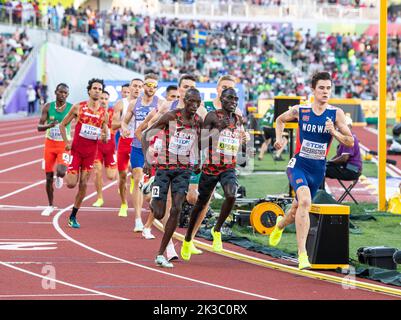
17, 133
20, 140
22, 189
49, 295
21, 150
63, 234
61, 282
21, 165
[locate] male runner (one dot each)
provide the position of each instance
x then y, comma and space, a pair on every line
125, 90
225, 82
105, 154
175, 163
124, 144
53, 114
186, 82
91, 124
223, 139
317, 127
172, 93
137, 112
269, 133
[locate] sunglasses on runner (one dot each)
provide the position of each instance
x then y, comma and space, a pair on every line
150, 85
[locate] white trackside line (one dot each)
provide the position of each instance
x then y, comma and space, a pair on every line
63, 234
21, 150
49, 295
16, 133
22, 189
21, 165
20, 140
61, 282
374, 160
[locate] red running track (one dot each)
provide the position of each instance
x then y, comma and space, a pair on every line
105, 259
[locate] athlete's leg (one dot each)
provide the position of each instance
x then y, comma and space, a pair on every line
171, 225
98, 179
192, 195
83, 184
263, 148
61, 170
302, 221
207, 184
49, 187
230, 192
137, 196
201, 216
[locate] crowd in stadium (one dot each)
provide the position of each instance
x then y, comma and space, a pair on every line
210, 49
14, 49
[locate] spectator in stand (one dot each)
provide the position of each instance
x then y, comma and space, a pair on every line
31, 97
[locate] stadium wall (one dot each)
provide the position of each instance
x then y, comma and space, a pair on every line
75, 69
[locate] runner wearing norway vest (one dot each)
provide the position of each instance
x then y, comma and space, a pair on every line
318, 123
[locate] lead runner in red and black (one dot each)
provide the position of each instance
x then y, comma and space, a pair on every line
175, 163
223, 137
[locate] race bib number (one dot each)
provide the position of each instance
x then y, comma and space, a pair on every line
228, 143
158, 145
291, 163
55, 134
156, 192
66, 158
181, 143
89, 132
313, 150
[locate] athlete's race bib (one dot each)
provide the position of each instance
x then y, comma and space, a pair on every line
55, 134
228, 143
181, 143
89, 132
291, 163
313, 150
158, 145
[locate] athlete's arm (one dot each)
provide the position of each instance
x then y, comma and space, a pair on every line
42, 126
343, 134
292, 114
128, 116
116, 122
66, 121
210, 129
153, 130
103, 135
144, 124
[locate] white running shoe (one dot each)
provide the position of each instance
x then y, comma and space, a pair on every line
170, 252
138, 225
48, 211
162, 262
58, 183
147, 234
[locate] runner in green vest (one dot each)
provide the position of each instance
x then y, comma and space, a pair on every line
52, 115
269, 134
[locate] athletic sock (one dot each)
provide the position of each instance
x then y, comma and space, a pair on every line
74, 212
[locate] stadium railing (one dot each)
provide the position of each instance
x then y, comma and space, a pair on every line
300, 9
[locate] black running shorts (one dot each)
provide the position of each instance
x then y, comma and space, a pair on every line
207, 183
178, 178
